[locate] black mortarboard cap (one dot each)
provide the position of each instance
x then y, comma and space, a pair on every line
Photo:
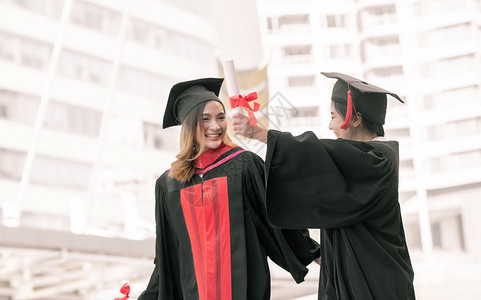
366, 98
184, 96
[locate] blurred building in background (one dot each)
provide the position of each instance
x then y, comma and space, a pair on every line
82, 92
116, 63
83, 87
429, 52
88, 80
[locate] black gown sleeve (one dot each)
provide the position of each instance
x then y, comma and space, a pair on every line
316, 183
290, 249
164, 282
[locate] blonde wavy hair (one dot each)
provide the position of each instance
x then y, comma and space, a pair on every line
184, 167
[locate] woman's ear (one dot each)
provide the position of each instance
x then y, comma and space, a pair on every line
358, 120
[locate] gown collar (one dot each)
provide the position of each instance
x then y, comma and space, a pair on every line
210, 156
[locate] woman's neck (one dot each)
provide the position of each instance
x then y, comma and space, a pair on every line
363, 136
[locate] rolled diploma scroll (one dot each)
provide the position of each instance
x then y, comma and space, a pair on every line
231, 81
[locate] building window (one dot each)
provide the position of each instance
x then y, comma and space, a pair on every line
83, 67
343, 51
194, 6
11, 164
431, 7
444, 35
468, 127
152, 135
459, 64
406, 169
147, 34
383, 46
289, 23
379, 15
292, 23
307, 112
300, 81
465, 97
34, 54
36, 219
60, 173
7, 46
170, 41
157, 138
297, 54
447, 231
293, 20
50, 8
297, 50
192, 48
406, 163
398, 133
270, 23
387, 73
336, 21
96, 17
125, 130
3, 110
72, 119
18, 107
455, 129
427, 69
284, 116
302, 116
457, 161
142, 83
435, 133
45, 170
24, 51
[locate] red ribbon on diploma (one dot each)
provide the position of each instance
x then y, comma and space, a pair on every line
125, 289
238, 100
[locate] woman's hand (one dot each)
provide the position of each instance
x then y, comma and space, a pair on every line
241, 126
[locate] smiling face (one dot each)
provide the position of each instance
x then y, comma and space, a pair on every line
212, 127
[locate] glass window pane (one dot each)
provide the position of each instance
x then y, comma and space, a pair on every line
7, 46
60, 173
83, 67
34, 54
301, 81
18, 107
142, 83
72, 119
11, 164
96, 17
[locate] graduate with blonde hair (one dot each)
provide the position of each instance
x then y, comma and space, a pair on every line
213, 238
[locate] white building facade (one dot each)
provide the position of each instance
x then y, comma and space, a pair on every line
114, 63
83, 87
429, 53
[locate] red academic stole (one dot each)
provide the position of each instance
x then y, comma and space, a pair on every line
206, 212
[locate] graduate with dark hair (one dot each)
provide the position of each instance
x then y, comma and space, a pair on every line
347, 187
213, 238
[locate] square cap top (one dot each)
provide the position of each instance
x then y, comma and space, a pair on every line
184, 96
367, 99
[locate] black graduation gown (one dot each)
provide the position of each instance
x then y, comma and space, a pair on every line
349, 190
213, 237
